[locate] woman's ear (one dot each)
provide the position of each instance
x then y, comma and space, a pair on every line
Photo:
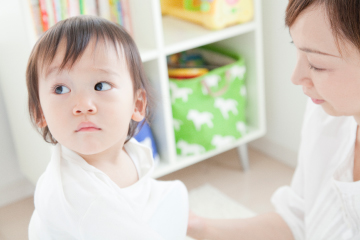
140, 106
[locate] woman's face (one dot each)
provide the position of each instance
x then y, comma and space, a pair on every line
330, 79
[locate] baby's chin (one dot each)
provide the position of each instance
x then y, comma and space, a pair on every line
87, 148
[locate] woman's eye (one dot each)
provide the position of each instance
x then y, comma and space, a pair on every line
61, 90
315, 69
102, 86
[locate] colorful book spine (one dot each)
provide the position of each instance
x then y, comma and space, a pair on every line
90, 7
97, 8
44, 15
74, 8
127, 16
64, 9
113, 11
119, 13
82, 6
57, 10
104, 9
50, 12
36, 16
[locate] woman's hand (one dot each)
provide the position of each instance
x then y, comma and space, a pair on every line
196, 226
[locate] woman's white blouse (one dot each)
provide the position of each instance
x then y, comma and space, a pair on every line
323, 201
75, 200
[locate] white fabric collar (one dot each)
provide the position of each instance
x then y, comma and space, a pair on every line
140, 152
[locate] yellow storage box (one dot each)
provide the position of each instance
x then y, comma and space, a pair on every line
212, 14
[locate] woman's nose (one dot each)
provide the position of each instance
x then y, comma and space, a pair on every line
301, 75
85, 106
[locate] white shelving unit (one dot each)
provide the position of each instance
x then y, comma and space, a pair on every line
156, 36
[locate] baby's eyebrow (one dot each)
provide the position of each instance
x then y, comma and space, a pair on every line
51, 70
107, 71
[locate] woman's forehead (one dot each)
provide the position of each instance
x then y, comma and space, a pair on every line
312, 30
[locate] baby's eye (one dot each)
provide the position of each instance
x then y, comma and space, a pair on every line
61, 89
102, 86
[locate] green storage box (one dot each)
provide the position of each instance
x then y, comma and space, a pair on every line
210, 111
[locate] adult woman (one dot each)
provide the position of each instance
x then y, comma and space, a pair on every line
323, 201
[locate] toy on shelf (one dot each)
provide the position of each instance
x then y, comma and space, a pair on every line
144, 136
212, 14
185, 65
191, 64
186, 73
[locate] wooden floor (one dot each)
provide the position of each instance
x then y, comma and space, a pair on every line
252, 189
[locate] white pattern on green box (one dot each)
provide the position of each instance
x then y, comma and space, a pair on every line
237, 71
225, 106
179, 92
219, 140
200, 118
189, 149
177, 123
243, 91
210, 81
241, 127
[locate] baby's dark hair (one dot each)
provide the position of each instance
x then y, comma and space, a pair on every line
77, 32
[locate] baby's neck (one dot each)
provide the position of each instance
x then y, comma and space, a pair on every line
123, 174
116, 163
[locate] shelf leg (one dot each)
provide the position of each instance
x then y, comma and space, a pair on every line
243, 156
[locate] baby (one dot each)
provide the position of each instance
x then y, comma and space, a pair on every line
87, 93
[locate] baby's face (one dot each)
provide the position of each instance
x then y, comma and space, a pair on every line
98, 91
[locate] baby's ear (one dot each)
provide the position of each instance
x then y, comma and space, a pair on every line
40, 121
140, 105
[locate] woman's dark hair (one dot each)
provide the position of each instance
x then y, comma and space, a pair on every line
77, 33
344, 17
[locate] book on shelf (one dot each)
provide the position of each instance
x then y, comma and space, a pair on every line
45, 13
127, 16
73, 8
49, 8
37, 15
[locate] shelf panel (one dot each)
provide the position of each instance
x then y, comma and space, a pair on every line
165, 168
147, 54
180, 35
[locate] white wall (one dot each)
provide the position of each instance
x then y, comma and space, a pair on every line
9, 170
13, 185
285, 102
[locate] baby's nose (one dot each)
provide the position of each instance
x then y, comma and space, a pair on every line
84, 109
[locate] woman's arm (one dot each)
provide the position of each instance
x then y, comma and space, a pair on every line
269, 226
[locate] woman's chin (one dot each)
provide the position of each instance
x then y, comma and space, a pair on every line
332, 111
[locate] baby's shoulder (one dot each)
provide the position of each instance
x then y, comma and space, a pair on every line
59, 195
164, 189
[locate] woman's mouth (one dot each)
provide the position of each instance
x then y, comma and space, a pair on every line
317, 101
